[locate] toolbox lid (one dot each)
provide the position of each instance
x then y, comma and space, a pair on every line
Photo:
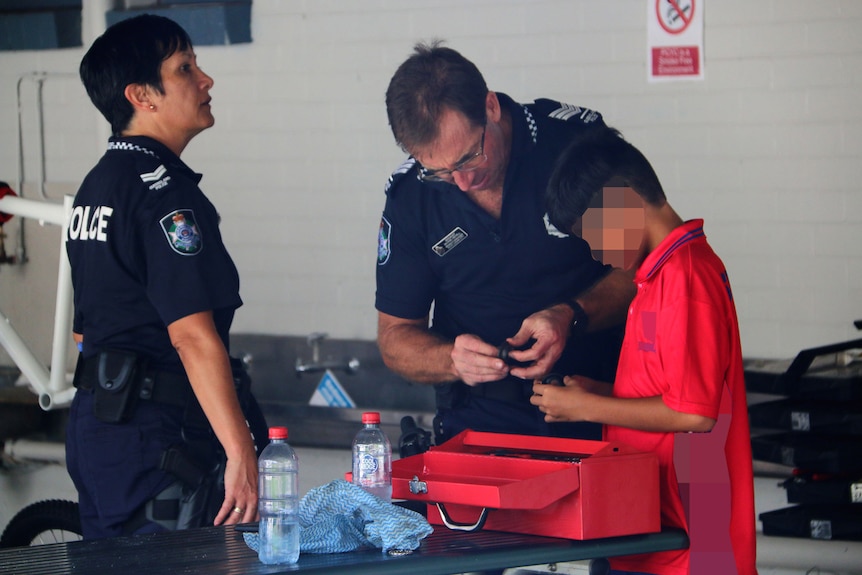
500, 471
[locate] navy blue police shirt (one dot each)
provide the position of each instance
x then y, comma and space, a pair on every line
483, 275
145, 250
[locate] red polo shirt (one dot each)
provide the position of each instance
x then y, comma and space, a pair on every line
682, 343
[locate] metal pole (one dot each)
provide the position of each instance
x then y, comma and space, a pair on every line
63, 310
45, 212
23, 356
53, 388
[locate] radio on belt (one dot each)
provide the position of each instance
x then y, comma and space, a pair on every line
570, 488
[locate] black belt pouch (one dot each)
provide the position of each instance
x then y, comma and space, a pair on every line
116, 389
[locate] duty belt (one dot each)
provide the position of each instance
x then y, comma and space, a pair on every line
159, 386
506, 390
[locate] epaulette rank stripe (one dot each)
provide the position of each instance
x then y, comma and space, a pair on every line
401, 170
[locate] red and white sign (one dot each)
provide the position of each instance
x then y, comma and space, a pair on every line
674, 40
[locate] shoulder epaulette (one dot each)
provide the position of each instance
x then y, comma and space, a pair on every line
152, 172
565, 112
129, 147
399, 173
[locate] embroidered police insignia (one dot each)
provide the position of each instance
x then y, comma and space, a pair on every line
182, 232
383, 250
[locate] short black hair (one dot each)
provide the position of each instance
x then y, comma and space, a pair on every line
594, 158
129, 52
433, 79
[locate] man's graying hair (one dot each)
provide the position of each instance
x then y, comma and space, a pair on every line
433, 79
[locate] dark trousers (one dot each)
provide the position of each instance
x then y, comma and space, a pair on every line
115, 466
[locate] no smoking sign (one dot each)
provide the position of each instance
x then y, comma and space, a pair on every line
675, 39
674, 16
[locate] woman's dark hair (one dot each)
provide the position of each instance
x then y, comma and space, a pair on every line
129, 52
433, 79
596, 157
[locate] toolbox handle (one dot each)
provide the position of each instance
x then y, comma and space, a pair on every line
804, 358
448, 522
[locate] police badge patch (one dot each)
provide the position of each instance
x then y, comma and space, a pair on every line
383, 250
182, 232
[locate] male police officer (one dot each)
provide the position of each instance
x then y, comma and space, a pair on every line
464, 228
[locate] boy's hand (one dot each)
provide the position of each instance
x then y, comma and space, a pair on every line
565, 403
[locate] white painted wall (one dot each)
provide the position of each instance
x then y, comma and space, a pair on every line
767, 148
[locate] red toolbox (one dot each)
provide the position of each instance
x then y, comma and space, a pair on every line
570, 488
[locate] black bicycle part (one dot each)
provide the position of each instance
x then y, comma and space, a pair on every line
41, 522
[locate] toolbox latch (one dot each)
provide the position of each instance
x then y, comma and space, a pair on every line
417, 487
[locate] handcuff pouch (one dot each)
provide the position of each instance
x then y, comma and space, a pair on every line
116, 389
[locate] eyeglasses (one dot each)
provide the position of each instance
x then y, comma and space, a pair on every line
468, 165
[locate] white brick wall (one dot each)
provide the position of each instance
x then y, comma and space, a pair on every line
767, 149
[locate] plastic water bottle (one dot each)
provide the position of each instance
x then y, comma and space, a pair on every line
278, 502
372, 458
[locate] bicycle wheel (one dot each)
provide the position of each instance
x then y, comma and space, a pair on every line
49, 521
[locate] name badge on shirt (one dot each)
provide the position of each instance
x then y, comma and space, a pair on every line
449, 242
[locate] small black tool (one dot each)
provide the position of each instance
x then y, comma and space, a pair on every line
414, 440
505, 348
553, 379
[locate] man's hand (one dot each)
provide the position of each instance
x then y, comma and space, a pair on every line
476, 361
550, 328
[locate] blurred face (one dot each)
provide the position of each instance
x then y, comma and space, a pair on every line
185, 104
613, 225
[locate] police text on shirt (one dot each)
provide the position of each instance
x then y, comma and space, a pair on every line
89, 223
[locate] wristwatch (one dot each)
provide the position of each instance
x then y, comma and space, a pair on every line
580, 321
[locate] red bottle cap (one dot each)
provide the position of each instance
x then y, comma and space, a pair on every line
371, 417
278, 433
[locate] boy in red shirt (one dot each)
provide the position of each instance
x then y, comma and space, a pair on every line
680, 368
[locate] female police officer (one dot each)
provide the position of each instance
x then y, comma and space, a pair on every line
155, 295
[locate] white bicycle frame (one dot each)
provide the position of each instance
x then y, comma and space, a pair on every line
53, 387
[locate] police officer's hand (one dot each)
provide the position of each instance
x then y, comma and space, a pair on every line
240, 486
550, 328
476, 361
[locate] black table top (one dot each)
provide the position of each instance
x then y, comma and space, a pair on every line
222, 551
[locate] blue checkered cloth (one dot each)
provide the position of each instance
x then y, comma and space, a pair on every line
340, 516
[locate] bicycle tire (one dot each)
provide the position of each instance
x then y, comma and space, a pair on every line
48, 521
